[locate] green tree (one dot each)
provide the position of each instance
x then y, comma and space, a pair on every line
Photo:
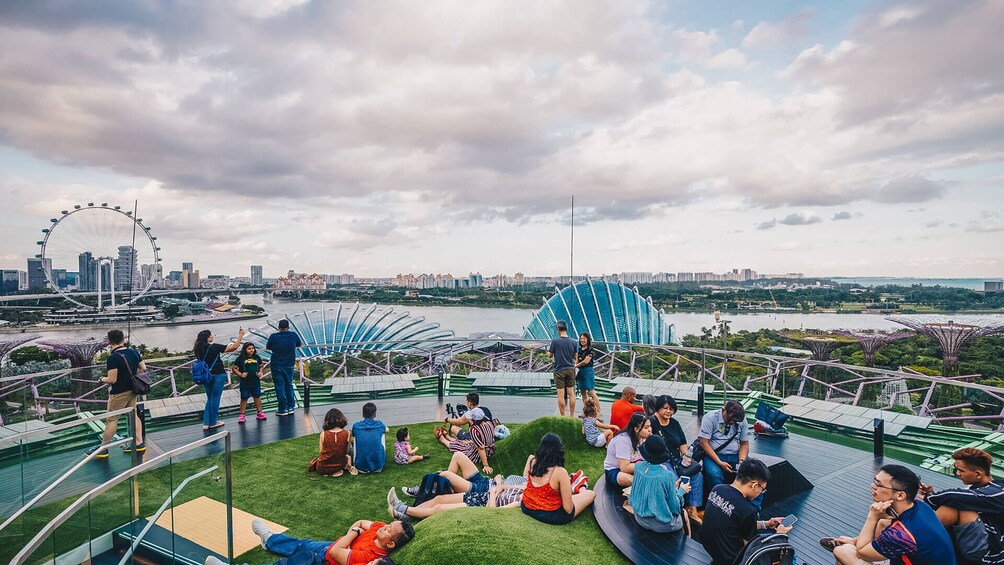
31, 353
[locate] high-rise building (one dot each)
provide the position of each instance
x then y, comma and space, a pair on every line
87, 272
154, 274
126, 269
193, 280
9, 281
187, 267
36, 273
60, 278
256, 275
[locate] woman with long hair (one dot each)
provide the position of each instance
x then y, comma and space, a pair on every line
548, 495
622, 451
206, 350
585, 379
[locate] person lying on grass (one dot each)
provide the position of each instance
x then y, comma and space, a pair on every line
548, 495
476, 491
364, 542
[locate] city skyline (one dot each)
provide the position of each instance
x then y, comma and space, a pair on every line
835, 139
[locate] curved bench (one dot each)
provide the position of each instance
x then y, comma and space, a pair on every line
639, 545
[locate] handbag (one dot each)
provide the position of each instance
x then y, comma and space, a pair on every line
698, 451
141, 382
682, 470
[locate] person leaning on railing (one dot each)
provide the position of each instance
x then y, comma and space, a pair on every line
123, 362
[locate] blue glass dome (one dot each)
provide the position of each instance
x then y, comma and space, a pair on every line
607, 311
352, 323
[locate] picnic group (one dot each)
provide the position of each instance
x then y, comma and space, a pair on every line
710, 490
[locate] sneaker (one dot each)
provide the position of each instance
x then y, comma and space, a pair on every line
261, 530
241, 419
399, 511
102, 455
139, 448
213, 560
392, 499
410, 491
261, 416
579, 482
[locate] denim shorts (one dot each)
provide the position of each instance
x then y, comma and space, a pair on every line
553, 517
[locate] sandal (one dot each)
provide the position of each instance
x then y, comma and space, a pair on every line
829, 544
438, 432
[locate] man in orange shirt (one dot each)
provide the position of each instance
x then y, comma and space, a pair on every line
621, 410
365, 541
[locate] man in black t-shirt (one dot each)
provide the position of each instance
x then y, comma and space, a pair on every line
123, 362
730, 519
563, 350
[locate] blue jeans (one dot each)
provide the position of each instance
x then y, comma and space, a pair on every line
214, 390
695, 497
286, 546
283, 379
715, 475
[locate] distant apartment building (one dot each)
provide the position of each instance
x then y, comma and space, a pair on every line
153, 274
87, 272
61, 278
635, 278
300, 281
993, 286
256, 275
36, 273
22, 280
220, 282
10, 281
341, 279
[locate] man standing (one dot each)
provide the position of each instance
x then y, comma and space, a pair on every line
563, 350
724, 436
896, 529
123, 362
283, 346
623, 408
730, 518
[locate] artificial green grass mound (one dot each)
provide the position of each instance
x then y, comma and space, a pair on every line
509, 536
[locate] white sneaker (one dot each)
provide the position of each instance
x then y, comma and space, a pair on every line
261, 530
392, 498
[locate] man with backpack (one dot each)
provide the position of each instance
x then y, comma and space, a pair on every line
283, 344
123, 364
730, 518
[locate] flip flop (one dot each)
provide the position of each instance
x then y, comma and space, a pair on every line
829, 544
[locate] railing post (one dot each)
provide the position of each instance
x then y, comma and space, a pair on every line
306, 396
878, 438
440, 386
700, 401
131, 418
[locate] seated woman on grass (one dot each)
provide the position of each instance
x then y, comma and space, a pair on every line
622, 453
597, 433
548, 494
476, 491
656, 493
334, 456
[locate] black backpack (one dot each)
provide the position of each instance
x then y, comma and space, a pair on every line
433, 485
768, 549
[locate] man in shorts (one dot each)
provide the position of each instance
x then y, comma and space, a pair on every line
123, 362
563, 350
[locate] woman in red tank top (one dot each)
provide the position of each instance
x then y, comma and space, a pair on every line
548, 496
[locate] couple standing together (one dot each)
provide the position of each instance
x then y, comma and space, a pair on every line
570, 357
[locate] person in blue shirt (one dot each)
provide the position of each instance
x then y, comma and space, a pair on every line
368, 435
283, 346
656, 492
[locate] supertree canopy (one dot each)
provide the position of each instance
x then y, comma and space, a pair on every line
10, 343
871, 340
80, 353
821, 345
951, 333
322, 331
607, 311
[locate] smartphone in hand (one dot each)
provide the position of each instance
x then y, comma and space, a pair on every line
789, 520
685, 480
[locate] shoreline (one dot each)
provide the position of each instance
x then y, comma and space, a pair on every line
68, 327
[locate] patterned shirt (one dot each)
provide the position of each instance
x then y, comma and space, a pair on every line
592, 432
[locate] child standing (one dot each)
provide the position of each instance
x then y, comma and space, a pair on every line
597, 433
248, 366
334, 457
404, 453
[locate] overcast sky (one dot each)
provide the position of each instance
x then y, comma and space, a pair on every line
842, 138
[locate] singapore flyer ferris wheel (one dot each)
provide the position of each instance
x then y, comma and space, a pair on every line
115, 257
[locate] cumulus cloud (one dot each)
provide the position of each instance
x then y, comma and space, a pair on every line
800, 219
908, 190
766, 35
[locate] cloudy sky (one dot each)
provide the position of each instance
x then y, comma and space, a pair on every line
842, 138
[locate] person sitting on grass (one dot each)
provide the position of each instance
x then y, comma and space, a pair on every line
622, 452
592, 426
476, 491
404, 453
368, 435
478, 442
248, 367
657, 493
548, 494
334, 455
364, 542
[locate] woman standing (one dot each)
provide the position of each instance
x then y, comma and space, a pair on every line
586, 377
210, 352
548, 495
622, 451
664, 425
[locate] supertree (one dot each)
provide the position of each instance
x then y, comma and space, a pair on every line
10, 343
951, 335
81, 355
821, 345
871, 340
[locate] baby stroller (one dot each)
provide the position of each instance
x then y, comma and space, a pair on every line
770, 421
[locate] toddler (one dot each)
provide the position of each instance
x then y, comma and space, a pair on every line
404, 453
597, 433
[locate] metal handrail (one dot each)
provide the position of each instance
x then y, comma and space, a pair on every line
63, 477
156, 516
65, 425
79, 503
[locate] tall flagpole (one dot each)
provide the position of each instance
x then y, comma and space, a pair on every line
571, 248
